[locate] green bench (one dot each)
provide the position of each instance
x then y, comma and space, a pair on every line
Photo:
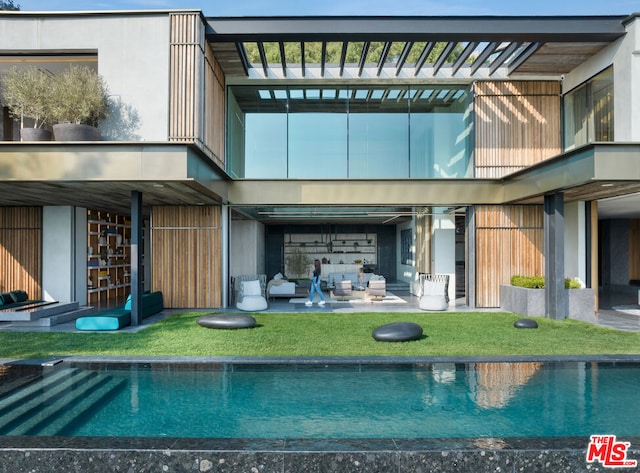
118, 317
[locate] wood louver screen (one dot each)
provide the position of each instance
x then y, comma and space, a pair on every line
186, 259
21, 250
197, 88
509, 241
518, 124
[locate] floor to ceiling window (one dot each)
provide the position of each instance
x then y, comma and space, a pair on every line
349, 132
588, 111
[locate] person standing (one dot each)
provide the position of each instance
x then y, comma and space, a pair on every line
315, 284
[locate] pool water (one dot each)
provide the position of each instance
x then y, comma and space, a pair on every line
423, 400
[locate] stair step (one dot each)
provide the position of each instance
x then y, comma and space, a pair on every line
36, 313
12, 422
64, 424
55, 415
56, 319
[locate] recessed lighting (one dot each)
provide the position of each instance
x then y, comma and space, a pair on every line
158, 185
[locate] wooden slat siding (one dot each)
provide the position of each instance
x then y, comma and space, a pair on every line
184, 52
21, 250
509, 241
634, 249
517, 125
186, 260
197, 95
214, 94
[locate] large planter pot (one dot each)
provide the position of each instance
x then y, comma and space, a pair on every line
579, 303
34, 134
75, 132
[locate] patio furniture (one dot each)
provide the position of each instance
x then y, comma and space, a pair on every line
118, 317
435, 292
377, 288
251, 296
342, 289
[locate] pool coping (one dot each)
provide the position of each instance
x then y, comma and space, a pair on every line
52, 360
532, 454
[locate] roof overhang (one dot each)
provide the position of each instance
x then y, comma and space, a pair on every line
102, 176
466, 47
592, 172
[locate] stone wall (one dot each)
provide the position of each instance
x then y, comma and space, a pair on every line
92, 455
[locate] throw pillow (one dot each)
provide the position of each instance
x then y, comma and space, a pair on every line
251, 288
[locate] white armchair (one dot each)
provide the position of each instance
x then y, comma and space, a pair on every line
435, 292
251, 296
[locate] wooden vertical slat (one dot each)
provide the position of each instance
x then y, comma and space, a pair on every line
197, 88
21, 250
634, 249
186, 256
509, 241
517, 125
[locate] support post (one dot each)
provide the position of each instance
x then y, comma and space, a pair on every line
470, 256
555, 306
136, 258
225, 220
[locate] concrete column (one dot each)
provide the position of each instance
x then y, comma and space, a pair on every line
136, 257
225, 221
554, 256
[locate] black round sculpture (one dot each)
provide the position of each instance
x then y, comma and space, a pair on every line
397, 332
226, 321
525, 323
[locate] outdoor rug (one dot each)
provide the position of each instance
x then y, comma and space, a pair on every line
390, 298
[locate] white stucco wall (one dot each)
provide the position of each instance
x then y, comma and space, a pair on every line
133, 58
64, 254
575, 264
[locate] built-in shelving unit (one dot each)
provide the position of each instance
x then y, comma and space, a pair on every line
336, 248
108, 258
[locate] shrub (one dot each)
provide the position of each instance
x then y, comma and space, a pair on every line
27, 93
537, 282
80, 96
530, 282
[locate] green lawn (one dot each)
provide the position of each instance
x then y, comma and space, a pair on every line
322, 334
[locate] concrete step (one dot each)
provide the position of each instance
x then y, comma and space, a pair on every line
35, 313
56, 319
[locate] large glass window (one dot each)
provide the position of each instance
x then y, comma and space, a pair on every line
440, 132
376, 132
588, 112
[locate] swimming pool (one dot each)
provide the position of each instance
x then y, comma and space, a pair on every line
322, 399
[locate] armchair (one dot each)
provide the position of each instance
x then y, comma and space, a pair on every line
251, 293
435, 291
377, 288
342, 289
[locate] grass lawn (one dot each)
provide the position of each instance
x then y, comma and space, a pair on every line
322, 334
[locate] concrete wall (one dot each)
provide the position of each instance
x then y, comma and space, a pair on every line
443, 252
575, 264
133, 58
247, 248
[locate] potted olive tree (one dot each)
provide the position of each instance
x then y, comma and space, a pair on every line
79, 102
27, 94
